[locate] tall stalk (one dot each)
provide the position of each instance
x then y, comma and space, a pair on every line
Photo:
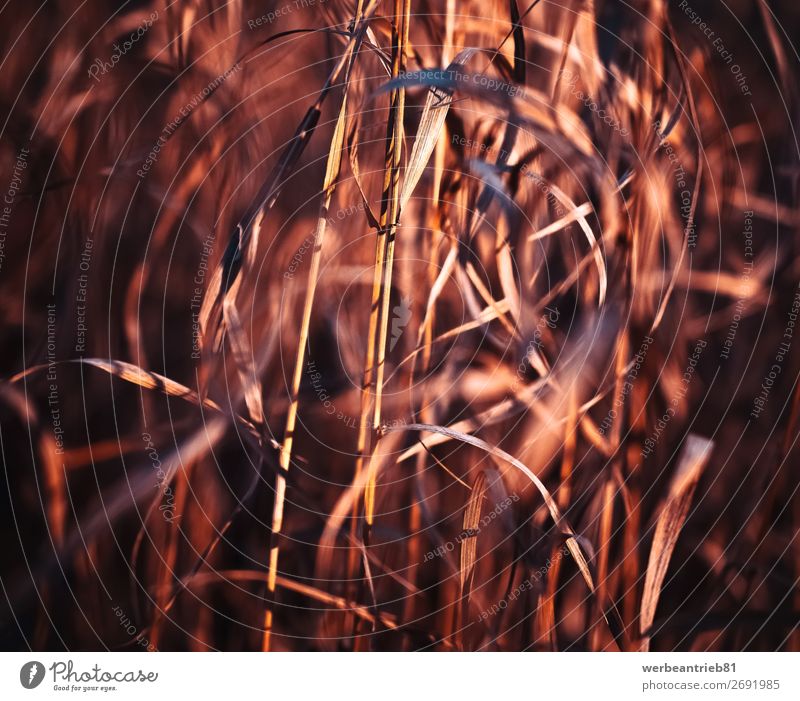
384, 254
331, 178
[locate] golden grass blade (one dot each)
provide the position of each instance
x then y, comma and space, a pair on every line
505, 269
694, 457
243, 358
501, 307
443, 466
394, 159
573, 215
431, 122
469, 545
153, 381
576, 212
331, 174
135, 375
469, 548
436, 290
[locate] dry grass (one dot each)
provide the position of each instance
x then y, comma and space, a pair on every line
395, 326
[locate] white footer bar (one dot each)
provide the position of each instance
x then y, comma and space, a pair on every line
401, 676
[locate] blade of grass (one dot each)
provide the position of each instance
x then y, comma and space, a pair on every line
696, 453
332, 169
